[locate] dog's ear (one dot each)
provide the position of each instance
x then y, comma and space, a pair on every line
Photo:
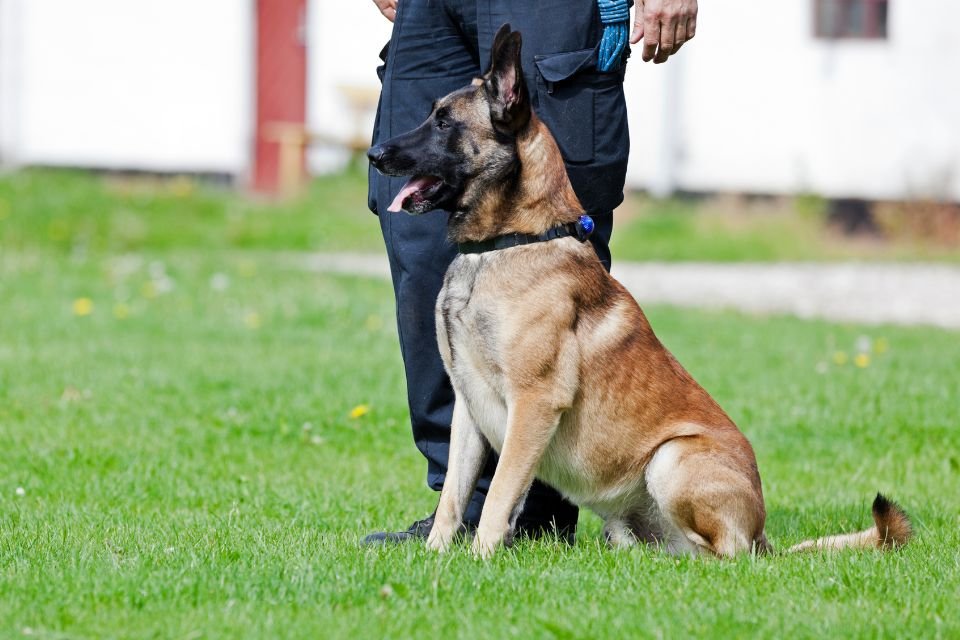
509, 102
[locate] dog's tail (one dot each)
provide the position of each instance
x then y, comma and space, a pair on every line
892, 529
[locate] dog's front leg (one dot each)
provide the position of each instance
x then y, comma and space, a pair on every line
531, 422
468, 453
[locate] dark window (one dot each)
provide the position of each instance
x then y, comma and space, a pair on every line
836, 19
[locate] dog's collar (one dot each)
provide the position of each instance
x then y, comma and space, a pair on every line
581, 230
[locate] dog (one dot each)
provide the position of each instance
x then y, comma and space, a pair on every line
554, 365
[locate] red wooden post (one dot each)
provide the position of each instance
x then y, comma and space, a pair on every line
281, 94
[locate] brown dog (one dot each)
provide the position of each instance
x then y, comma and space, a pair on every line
553, 363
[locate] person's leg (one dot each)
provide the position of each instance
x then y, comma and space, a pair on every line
429, 55
433, 51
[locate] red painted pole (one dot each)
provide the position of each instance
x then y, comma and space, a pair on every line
281, 93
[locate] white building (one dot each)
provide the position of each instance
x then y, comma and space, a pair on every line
756, 103
141, 84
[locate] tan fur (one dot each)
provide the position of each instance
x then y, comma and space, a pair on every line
891, 529
556, 368
546, 198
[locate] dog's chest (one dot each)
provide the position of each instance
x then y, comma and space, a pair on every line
469, 330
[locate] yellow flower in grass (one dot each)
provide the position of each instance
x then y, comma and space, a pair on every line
359, 411
82, 307
121, 311
862, 360
840, 358
881, 346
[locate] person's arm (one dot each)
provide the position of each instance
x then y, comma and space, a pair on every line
663, 25
388, 8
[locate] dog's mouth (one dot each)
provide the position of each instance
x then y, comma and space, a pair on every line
419, 195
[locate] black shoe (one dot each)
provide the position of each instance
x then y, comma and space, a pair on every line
419, 530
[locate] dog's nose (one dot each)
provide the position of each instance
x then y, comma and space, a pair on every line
376, 154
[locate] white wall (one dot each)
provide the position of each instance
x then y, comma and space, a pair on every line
766, 107
345, 40
11, 74
754, 103
143, 84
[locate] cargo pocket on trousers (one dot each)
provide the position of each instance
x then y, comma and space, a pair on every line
583, 107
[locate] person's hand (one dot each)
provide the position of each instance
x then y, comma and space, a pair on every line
664, 25
388, 8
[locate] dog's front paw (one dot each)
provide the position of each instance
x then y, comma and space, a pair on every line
438, 541
484, 547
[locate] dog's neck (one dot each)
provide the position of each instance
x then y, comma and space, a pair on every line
539, 198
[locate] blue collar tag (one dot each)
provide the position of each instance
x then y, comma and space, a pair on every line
584, 227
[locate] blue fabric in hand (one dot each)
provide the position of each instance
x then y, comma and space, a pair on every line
615, 16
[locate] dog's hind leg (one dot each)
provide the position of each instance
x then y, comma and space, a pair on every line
468, 453
531, 423
618, 533
707, 504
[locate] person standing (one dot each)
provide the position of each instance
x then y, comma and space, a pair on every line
574, 59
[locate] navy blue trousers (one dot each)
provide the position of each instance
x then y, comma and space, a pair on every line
438, 46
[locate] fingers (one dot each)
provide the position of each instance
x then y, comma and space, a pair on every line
388, 8
651, 35
668, 40
686, 29
681, 35
664, 26
637, 32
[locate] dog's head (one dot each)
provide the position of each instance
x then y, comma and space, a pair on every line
468, 143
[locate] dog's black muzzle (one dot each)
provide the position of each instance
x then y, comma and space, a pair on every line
376, 155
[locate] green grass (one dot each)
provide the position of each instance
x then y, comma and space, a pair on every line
190, 468
730, 229
73, 211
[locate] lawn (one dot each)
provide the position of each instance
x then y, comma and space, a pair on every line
196, 432
735, 229
72, 211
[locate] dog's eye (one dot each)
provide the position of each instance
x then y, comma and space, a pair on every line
440, 117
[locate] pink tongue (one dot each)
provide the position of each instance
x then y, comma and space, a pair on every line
416, 183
